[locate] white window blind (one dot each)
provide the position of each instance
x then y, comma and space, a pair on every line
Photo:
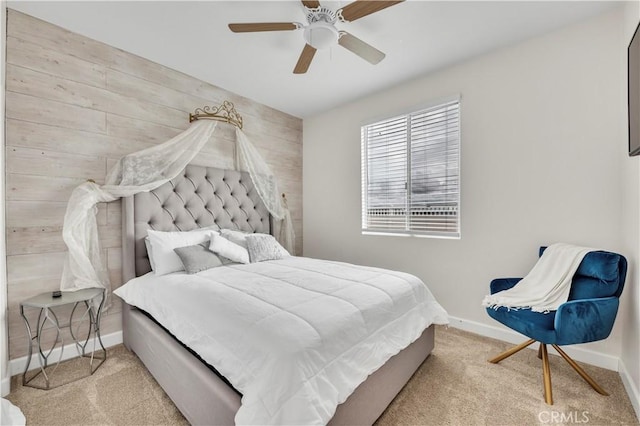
411, 173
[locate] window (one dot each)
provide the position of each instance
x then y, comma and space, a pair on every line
411, 173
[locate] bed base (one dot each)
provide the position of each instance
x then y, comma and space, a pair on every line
205, 399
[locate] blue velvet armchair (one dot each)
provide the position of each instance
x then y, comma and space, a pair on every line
587, 316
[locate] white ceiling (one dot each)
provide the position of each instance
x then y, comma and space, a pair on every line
417, 36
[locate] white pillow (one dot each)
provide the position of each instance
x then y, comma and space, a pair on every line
147, 244
162, 256
238, 237
225, 248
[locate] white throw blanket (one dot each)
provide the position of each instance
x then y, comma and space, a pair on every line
548, 284
295, 336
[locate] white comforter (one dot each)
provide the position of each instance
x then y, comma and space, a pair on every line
294, 336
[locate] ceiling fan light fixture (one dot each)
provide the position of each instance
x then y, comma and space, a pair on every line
321, 35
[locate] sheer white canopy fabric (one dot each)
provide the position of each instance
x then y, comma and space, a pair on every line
249, 160
143, 171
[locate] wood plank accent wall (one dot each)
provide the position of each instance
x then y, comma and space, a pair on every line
74, 106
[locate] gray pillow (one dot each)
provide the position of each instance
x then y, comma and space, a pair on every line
198, 258
263, 247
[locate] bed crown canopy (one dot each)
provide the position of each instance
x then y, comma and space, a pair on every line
148, 169
226, 113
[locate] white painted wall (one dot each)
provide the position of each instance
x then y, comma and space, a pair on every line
5, 377
629, 318
543, 144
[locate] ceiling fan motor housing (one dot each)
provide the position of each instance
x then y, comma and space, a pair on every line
321, 31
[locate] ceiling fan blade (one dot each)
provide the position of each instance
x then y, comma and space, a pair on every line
360, 8
360, 48
262, 26
305, 59
311, 4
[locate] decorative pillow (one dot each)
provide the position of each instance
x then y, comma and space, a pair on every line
263, 247
162, 256
198, 258
232, 251
238, 237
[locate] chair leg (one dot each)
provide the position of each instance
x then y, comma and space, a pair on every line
581, 372
546, 375
540, 351
508, 353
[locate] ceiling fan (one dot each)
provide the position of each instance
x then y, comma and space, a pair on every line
321, 31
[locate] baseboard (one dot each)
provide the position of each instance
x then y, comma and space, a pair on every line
632, 390
587, 356
16, 366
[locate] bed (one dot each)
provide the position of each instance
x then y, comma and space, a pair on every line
205, 197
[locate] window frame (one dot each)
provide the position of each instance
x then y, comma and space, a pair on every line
364, 173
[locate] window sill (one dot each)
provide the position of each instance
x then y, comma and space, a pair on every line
444, 236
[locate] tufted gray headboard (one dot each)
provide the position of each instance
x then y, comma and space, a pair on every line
198, 197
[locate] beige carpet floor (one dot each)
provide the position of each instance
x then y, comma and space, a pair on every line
455, 386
